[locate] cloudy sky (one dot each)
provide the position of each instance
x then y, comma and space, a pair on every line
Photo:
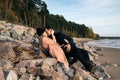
102, 15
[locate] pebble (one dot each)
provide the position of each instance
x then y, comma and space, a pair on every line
115, 65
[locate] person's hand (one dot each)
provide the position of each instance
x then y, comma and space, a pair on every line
68, 47
52, 31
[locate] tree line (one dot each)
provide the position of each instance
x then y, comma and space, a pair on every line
34, 13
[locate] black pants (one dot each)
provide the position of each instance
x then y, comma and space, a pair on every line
82, 56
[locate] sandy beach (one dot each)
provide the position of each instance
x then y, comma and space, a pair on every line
111, 62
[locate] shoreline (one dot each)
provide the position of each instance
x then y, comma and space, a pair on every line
110, 60
107, 57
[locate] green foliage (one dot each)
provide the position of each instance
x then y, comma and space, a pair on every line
26, 12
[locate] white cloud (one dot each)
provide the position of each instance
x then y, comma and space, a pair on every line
102, 13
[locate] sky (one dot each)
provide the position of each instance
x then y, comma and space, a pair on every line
102, 15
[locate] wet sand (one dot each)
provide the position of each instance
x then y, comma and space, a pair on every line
111, 62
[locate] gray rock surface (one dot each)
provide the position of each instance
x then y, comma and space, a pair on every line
21, 58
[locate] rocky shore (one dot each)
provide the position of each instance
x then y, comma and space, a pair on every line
21, 57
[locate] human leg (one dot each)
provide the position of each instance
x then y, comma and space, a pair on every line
83, 57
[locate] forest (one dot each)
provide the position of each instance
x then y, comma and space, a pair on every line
34, 13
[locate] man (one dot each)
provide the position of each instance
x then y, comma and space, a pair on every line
52, 46
71, 50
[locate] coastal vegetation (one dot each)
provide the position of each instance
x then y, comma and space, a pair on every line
34, 13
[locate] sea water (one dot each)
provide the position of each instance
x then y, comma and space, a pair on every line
110, 43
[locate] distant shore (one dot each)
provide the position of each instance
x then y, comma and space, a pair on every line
111, 61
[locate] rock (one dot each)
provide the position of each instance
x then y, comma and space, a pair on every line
99, 72
25, 76
86, 47
45, 66
28, 39
77, 77
19, 29
12, 44
1, 74
2, 22
60, 71
14, 35
21, 58
12, 75
36, 62
5, 33
25, 56
79, 71
41, 54
52, 75
6, 52
115, 65
22, 70
1, 27
31, 31
31, 77
38, 78
9, 25
5, 38
5, 64
24, 51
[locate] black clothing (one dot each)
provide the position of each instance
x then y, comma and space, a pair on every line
76, 53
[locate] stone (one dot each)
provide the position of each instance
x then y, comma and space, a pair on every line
5, 38
25, 76
53, 75
31, 31
25, 56
6, 52
22, 70
2, 22
115, 65
5, 33
77, 77
36, 62
1, 27
1, 74
31, 77
12, 75
5, 64
79, 71
12, 44
40, 54
28, 39
100, 72
38, 78
14, 35
18, 29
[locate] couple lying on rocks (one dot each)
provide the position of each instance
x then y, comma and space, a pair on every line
62, 47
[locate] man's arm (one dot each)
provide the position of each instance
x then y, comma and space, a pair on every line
64, 39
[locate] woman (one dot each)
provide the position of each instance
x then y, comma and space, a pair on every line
50, 44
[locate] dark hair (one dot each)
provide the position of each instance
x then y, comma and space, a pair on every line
40, 31
48, 27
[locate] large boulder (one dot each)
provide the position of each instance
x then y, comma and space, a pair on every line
19, 29
12, 75
5, 32
100, 73
36, 62
14, 35
79, 71
7, 53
